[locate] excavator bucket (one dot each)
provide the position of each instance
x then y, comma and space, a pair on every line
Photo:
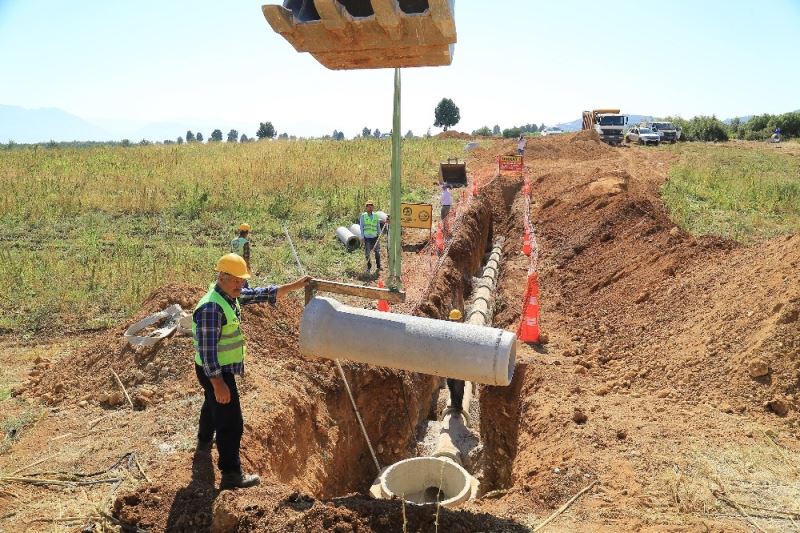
453, 172
357, 34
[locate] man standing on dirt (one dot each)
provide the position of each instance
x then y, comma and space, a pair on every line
456, 386
219, 357
521, 142
371, 226
447, 202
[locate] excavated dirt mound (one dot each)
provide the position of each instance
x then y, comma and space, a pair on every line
452, 134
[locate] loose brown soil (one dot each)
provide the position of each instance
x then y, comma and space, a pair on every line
670, 378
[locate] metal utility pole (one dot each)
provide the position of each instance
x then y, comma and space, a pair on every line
395, 246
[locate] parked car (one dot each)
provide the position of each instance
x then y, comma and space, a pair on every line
666, 130
552, 130
642, 136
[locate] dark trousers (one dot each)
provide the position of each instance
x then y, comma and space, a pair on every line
224, 420
372, 243
456, 388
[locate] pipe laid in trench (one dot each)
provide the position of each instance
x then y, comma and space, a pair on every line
454, 429
332, 330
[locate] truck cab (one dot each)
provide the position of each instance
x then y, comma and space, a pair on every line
608, 123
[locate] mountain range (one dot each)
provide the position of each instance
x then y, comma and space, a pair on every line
23, 125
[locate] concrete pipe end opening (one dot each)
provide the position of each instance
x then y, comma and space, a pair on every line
507, 344
428, 481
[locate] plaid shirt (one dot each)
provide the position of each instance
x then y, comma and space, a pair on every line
210, 318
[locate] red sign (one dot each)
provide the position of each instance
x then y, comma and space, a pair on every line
510, 162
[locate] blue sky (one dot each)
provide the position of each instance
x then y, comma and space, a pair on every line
529, 61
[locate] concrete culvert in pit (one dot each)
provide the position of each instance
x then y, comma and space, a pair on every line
427, 481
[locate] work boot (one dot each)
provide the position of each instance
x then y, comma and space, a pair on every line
237, 480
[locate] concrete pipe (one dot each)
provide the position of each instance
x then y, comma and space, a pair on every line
355, 229
428, 481
332, 330
347, 238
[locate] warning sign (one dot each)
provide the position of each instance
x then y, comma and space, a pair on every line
510, 162
416, 215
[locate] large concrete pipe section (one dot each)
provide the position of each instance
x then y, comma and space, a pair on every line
355, 229
347, 238
332, 330
426, 481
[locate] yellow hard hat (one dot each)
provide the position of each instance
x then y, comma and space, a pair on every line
244, 227
233, 265
369, 202
455, 314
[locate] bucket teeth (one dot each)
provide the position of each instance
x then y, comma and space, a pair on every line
388, 37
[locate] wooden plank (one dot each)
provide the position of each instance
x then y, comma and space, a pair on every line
373, 293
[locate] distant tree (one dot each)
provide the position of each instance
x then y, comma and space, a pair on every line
735, 125
284, 136
180, 140
409, 134
483, 132
541, 126
199, 137
265, 131
529, 128
233, 136
366, 132
428, 134
144, 142
447, 114
189, 136
512, 132
125, 142
216, 136
243, 138
340, 137
376, 133
496, 130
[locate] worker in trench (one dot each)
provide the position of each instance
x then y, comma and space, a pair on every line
456, 386
241, 246
219, 358
371, 228
447, 202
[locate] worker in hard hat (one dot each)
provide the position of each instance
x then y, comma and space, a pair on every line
241, 244
456, 386
219, 357
371, 226
447, 202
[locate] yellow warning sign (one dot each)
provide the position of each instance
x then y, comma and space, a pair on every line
416, 215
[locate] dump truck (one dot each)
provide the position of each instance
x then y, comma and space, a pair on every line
453, 172
608, 123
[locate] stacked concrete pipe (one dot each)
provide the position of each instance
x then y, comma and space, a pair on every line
347, 238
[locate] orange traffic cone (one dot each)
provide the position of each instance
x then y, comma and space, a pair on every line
439, 238
383, 305
528, 330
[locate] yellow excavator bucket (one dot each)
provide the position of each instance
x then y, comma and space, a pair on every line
356, 34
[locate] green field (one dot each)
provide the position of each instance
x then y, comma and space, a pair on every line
88, 232
738, 191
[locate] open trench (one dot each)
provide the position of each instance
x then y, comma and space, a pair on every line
330, 457
401, 410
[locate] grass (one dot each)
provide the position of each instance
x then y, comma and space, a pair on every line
87, 233
740, 192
